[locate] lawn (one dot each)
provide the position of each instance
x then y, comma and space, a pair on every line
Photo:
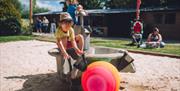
116, 43
15, 38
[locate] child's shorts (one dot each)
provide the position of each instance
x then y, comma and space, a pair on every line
69, 44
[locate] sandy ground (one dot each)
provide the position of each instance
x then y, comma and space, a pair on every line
26, 66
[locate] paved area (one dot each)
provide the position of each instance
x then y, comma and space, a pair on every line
26, 66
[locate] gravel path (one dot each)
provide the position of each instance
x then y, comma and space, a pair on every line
26, 66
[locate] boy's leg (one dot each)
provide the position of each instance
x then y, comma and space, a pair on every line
162, 44
80, 41
133, 39
140, 41
74, 56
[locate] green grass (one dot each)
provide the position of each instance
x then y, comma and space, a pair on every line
115, 43
168, 49
15, 38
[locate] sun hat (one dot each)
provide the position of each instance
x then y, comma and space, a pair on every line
65, 16
79, 7
156, 29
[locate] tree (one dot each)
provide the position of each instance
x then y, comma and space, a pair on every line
10, 18
17, 4
151, 3
121, 4
145, 3
171, 3
36, 9
92, 4
39, 10
34, 4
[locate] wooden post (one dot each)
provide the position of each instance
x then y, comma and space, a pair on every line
30, 11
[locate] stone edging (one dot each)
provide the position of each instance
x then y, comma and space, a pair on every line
155, 54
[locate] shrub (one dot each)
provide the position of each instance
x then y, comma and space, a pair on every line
27, 30
10, 26
10, 18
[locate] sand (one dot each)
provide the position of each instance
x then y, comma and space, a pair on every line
27, 66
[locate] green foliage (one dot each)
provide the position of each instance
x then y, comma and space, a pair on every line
92, 4
10, 18
17, 5
39, 10
8, 10
10, 26
34, 3
145, 3
121, 4
25, 13
26, 27
113, 4
36, 9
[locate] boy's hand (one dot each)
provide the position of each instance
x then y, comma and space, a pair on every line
66, 56
79, 52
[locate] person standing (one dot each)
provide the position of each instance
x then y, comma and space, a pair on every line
45, 24
38, 25
71, 9
53, 26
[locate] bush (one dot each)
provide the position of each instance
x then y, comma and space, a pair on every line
10, 26
10, 18
27, 30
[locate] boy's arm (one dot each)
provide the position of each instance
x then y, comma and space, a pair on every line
160, 38
74, 44
149, 38
61, 47
142, 31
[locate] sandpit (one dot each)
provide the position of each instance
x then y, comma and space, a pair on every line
27, 66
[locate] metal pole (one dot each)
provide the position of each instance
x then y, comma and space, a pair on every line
138, 9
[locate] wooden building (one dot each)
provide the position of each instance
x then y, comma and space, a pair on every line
116, 22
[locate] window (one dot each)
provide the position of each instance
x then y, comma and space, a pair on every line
98, 21
158, 18
170, 18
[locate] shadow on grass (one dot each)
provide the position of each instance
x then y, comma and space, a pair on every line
45, 82
129, 44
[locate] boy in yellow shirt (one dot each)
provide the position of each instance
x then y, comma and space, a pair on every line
66, 39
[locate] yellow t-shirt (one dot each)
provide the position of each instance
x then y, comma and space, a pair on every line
60, 34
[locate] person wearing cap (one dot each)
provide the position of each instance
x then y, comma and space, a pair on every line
155, 39
66, 39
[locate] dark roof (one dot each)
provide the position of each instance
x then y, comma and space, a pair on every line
107, 11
